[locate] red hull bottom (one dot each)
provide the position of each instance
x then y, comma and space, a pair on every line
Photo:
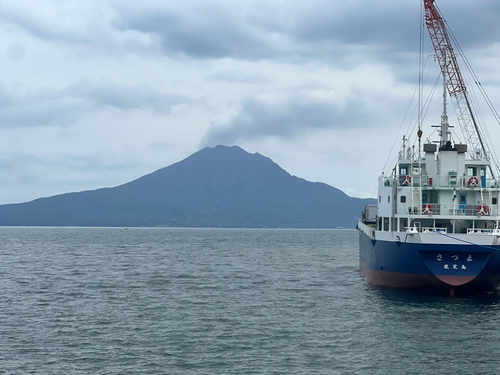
420, 281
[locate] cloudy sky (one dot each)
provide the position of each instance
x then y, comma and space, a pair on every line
97, 93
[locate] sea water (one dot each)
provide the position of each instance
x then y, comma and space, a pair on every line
206, 301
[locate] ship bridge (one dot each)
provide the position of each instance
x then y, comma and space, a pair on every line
442, 190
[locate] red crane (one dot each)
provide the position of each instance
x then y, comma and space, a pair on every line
454, 81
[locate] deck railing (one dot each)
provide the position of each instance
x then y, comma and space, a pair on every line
418, 229
449, 209
368, 230
451, 181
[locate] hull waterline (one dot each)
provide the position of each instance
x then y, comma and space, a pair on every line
409, 266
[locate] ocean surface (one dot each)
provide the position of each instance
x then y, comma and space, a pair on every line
203, 301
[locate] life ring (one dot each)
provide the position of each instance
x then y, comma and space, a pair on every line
482, 210
406, 180
473, 181
427, 209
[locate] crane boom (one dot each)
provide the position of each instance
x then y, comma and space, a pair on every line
454, 82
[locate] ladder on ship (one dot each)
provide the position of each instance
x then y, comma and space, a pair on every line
417, 200
416, 185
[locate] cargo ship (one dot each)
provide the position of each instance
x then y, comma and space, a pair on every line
436, 225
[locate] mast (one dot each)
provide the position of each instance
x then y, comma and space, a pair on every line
454, 82
445, 133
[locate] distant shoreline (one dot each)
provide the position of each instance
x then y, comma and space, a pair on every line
173, 228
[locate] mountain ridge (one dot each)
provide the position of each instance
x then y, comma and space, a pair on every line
214, 187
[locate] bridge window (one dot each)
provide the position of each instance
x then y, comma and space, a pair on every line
403, 199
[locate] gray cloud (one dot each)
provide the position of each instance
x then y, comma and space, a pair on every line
337, 32
26, 112
141, 96
245, 32
16, 51
45, 27
207, 31
297, 114
239, 77
83, 26
50, 107
319, 29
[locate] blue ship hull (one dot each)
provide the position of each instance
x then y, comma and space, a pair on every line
429, 267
